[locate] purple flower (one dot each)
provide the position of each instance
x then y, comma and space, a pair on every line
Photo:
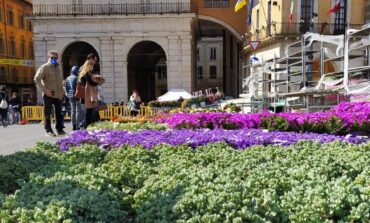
239, 139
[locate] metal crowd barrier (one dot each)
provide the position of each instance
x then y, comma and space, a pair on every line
36, 113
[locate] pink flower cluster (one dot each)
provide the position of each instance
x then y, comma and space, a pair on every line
342, 119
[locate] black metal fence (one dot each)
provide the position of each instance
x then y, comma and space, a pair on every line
110, 9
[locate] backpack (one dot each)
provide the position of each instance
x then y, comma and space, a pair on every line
3, 104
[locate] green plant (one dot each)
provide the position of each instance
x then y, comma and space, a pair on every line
130, 126
274, 123
306, 182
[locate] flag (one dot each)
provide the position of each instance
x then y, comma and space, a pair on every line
335, 8
239, 5
291, 12
250, 12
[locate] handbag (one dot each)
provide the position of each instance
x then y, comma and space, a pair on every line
102, 106
80, 91
3, 104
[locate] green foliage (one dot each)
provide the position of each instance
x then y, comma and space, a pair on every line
17, 167
274, 123
130, 126
164, 104
232, 108
307, 182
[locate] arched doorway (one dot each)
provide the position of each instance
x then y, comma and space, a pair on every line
218, 57
147, 70
75, 55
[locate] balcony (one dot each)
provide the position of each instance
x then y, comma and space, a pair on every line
297, 29
216, 4
110, 9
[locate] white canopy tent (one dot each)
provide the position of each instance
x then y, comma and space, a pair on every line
174, 95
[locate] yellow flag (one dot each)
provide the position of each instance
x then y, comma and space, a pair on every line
239, 5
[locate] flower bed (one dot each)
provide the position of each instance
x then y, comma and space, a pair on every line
342, 119
239, 139
306, 182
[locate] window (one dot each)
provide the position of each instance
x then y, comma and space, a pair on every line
29, 26
25, 78
13, 50
3, 75
231, 52
162, 72
31, 51
269, 18
213, 72
15, 75
1, 15
306, 15
257, 23
213, 53
23, 49
2, 47
198, 54
200, 72
21, 21
340, 18
216, 4
10, 17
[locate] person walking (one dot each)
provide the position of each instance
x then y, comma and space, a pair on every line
91, 81
77, 112
15, 107
4, 105
49, 79
134, 103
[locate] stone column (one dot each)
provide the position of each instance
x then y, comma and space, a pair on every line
107, 68
119, 69
186, 63
125, 82
173, 65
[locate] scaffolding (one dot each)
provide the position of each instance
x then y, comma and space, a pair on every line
317, 72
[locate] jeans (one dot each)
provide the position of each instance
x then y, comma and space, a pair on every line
4, 116
59, 119
77, 113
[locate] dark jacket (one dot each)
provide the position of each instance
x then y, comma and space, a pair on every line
15, 102
71, 83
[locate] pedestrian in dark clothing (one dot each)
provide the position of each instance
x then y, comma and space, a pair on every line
15, 107
77, 112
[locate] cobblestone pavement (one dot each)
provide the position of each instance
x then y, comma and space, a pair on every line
19, 137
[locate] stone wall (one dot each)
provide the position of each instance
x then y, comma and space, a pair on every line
113, 37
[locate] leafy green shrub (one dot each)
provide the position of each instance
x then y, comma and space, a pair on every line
17, 167
307, 182
131, 126
164, 104
274, 123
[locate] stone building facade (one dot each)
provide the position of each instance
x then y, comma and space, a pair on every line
132, 40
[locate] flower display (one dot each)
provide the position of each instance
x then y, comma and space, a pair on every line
239, 139
342, 119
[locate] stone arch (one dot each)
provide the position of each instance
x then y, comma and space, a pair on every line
147, 69
131, 44
63, 46
222, 23
74, 53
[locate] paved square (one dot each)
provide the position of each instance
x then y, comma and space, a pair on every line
19, 137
